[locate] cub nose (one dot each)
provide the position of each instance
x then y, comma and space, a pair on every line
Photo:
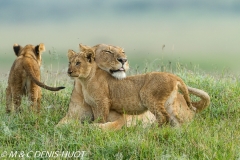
69, 71
122, 60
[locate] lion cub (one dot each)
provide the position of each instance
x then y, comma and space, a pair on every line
24, 77
132, 95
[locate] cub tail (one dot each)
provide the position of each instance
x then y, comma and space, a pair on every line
183, 87
40, 84
205, 99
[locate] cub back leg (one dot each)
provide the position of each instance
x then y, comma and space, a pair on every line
9, 103
33, 96
160, 113
171, 108
155, 104
17, 94
39, 100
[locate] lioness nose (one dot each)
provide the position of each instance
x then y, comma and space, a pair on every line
122, 60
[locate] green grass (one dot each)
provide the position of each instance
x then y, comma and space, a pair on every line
213, 134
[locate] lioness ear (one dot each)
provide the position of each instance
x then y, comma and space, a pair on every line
95, 47
83, 48
17, 48
39, 48
71, 53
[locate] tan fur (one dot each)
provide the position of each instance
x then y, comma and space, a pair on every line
24, 77
184, 114
79, 110
111, 59
132, 95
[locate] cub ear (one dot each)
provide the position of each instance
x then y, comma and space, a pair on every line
40, 48
16, 49
71, 53
89, 55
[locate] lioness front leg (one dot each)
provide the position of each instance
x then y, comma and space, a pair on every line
115, 121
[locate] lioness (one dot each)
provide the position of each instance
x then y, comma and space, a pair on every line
24, 77
79, 110
132, 95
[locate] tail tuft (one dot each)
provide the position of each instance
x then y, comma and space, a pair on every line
59, 88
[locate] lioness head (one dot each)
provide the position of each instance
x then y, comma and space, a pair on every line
111, 59
30, 50
80, 64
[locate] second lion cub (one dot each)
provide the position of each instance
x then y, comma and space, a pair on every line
132, 95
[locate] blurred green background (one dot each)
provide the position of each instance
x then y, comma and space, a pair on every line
195, 33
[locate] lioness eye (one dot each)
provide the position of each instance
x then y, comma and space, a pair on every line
69, 63
77, 63
108, 51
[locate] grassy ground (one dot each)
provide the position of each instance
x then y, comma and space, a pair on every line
213, 134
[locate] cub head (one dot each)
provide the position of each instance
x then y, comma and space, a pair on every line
31, 50
111, 59
80, 64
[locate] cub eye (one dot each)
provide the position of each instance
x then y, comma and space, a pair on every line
69, 63
77, 63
